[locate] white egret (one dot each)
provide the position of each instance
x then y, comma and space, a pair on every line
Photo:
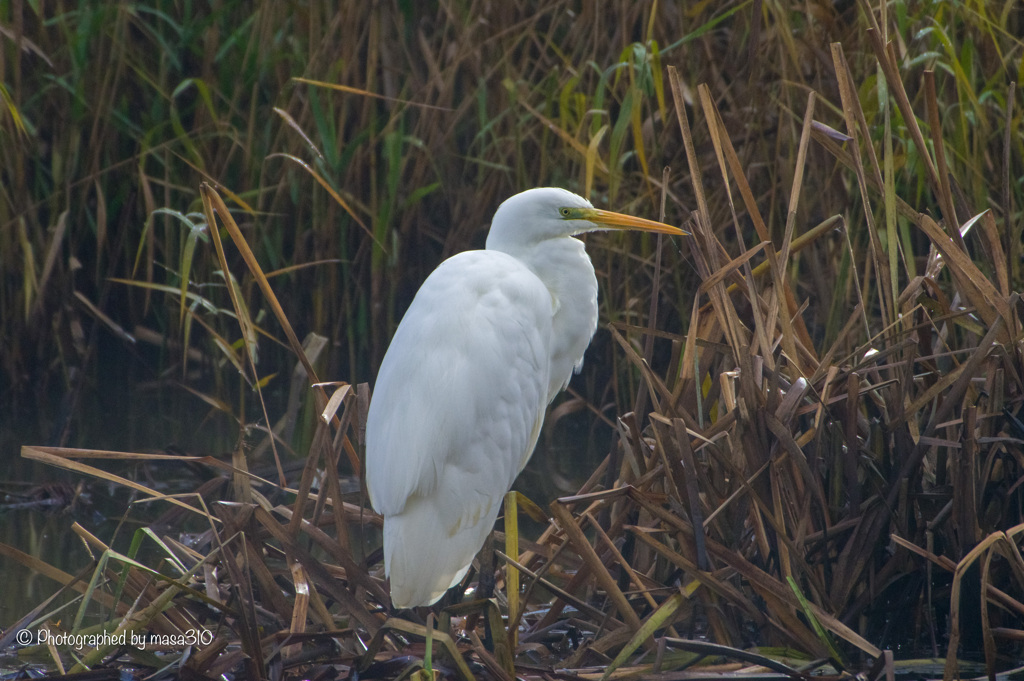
489, 340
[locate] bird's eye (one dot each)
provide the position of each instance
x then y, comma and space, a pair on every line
564, 212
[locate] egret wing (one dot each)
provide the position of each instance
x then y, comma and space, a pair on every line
461, 392
455, 414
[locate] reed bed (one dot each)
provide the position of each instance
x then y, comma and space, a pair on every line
812, 405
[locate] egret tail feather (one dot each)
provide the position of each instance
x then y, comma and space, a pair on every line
424, 558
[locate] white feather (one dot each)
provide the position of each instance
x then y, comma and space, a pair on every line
465, 382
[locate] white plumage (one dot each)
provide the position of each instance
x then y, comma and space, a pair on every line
489, 340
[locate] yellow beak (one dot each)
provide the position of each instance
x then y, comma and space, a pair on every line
607, 218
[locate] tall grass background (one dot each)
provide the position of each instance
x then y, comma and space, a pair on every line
830, 384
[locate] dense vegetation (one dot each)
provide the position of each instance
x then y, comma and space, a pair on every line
827, 377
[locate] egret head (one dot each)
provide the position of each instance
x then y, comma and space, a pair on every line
536, 215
